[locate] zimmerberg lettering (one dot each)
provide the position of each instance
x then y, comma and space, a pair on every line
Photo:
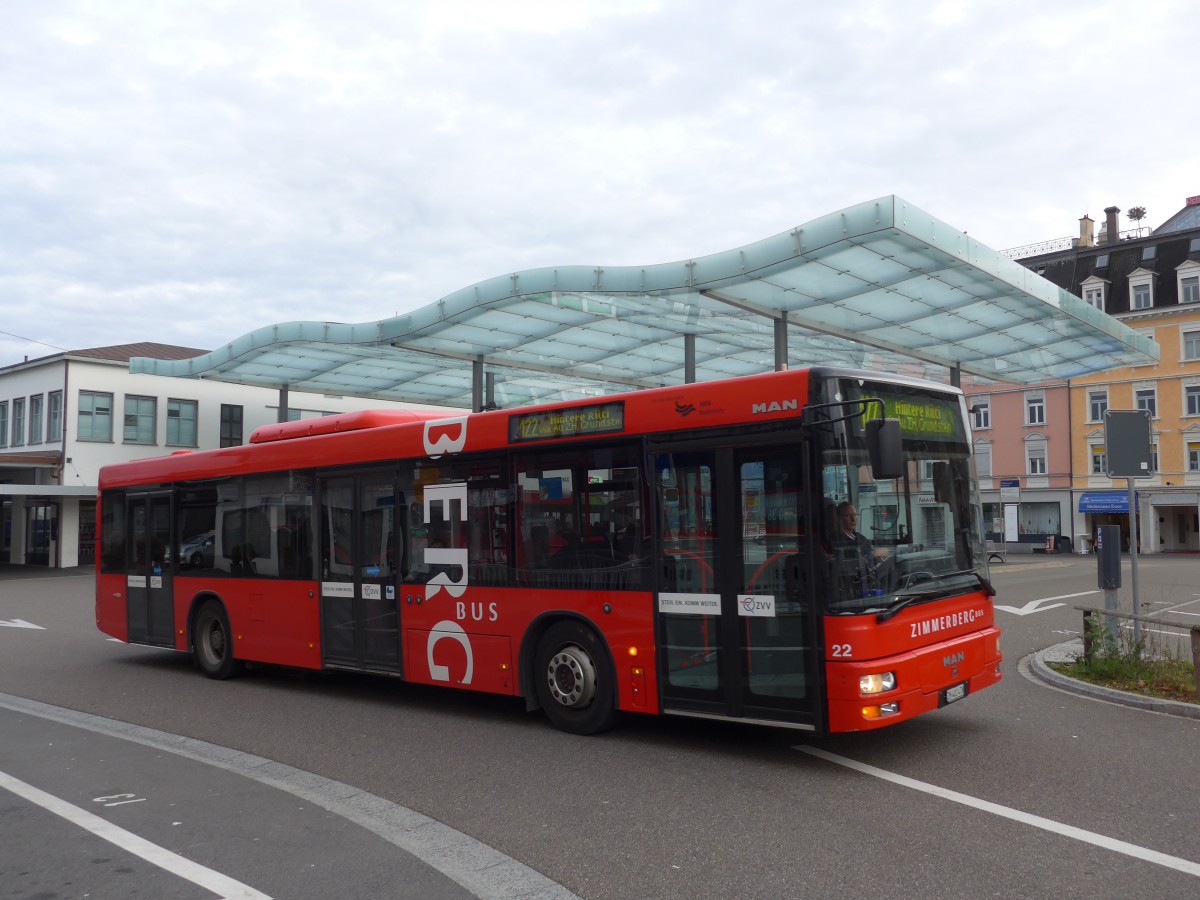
942, 623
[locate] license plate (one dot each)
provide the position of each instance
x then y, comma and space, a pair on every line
954, 692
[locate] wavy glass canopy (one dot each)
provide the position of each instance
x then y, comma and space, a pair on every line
881, 285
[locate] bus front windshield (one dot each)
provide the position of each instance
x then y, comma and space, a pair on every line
899, 541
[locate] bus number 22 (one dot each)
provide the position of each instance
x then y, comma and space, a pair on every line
842, 651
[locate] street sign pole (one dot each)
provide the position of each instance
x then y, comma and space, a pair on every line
1128, 446
1133, 563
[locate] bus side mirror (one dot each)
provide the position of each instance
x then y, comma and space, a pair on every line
884, 448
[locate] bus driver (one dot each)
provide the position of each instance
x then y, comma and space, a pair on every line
853, 548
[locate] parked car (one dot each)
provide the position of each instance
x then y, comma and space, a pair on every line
195, 551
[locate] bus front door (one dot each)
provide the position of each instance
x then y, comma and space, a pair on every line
737, 633
361, 553
149, 593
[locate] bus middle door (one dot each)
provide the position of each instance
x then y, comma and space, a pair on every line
362, 554
149, 590
735, 632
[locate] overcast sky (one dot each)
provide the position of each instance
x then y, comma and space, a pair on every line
187, 172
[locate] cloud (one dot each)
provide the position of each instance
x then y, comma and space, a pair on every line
187, 172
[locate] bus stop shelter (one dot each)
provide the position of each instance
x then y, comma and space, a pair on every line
879, 285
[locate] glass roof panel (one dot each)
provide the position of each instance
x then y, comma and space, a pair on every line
878, 285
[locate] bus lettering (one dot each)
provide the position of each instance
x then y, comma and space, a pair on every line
447, 557
477, 611
454, 632
444, 494
759, 409
445, 442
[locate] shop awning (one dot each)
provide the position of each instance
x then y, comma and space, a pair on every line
1104, 502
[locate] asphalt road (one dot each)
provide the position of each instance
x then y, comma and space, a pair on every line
1020, 791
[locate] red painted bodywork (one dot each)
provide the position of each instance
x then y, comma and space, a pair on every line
278, 622
921, 645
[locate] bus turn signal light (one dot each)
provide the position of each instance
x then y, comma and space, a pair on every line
881, 711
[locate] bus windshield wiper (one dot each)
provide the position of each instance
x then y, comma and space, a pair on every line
907, 600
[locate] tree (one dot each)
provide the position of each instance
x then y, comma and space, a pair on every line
1136, 214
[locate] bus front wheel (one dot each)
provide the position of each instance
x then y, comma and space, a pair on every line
575, 682
212, 642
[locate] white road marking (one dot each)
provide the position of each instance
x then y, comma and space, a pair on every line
20, 623
206, 878
1068, 596
1088, 837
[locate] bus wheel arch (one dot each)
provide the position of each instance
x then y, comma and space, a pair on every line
569, 670
212, 639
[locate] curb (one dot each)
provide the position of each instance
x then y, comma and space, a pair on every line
1066, 651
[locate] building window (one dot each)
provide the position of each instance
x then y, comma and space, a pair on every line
18, 428
1193, 456
981, 410
231, 425
1035, 457
1146, 399
140, 415
1189, 289
35, 419
1191, 400
983, 459
4, 424
1154, 457
1141, 289
1035, 410
56, 414
95, 416
1191, 345
1097, 405
1093, 290
1099, 459
181, 423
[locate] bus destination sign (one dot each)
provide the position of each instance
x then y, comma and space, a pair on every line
578, 421
923, 417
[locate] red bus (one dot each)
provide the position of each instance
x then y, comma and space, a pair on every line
679, 550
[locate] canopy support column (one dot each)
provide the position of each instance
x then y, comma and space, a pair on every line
689, 359
282, 415
477, 384
489, 390
955, 377
781, 344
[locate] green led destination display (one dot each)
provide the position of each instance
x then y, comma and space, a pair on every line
928, 418
578, 421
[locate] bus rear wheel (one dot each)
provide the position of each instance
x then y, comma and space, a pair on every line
575, 681
212, 642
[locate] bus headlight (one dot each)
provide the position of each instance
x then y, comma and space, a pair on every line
877, 684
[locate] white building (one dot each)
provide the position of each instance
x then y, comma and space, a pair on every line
64, 416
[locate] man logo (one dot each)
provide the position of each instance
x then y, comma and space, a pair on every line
774, 406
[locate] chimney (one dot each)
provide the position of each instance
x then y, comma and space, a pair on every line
1112, 226
1087, 236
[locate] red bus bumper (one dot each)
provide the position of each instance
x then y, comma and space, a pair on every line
925, 679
